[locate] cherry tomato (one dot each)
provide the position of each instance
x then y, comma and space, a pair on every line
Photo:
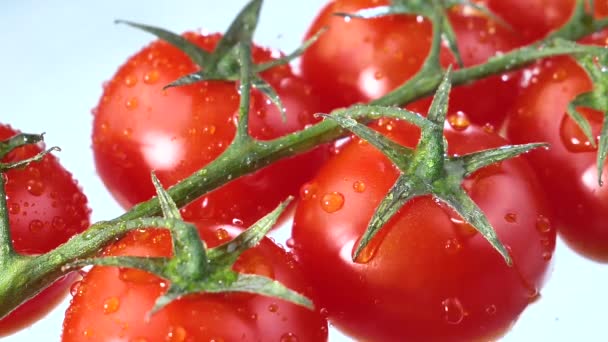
46, 207
139, 127
360, 60
568, 170
110, 304
427, 275
534, 19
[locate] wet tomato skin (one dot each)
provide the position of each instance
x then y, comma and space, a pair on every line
139, 127
46, 207
426, 276
535, 19
111, 303
360, 60
568, 169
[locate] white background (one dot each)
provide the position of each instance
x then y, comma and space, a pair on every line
54, 56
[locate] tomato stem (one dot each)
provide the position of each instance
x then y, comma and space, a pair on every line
23, 277
6, 244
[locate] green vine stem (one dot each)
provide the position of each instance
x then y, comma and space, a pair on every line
25, 276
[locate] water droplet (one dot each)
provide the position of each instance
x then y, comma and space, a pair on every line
36, 226
453, 246
221, 234
14, 208
533, 295
453, 312
237, 222
324, 312
359, 186
462, 226
289, 337
511, 217
130, 81
209, 129
136, 276
35, 187
573, 137
543, 225
88, 332
332, 202
309, 191
291, 243
273, 307
559, 75
176, 334
75, 288
58, 223
151, 77
491, 309
369, 251
378, 75
547, 255
111, 305
131, 103
459, 121
489, 128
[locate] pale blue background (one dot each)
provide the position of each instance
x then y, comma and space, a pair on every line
54, 56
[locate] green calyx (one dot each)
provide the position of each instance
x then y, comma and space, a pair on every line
223, 63
20, 140
428, 170
194, 268
25, 276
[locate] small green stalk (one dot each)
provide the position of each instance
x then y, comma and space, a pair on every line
429, 171
23, 277
7, 251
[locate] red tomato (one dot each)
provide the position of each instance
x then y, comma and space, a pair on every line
110, 303
427, 276
567, 170
534, 19
360, 60
46, 207
139, 127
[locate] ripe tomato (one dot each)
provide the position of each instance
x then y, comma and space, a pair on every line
568, 170
139, 127
110, 304
426, 276
360, 60
46, 207
534, 19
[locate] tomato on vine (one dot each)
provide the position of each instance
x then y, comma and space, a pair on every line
534, 19
568, 170
45, 208
427, 275
140, 127
358, 60
112, 303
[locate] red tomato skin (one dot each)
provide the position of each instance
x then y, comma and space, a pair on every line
46, 207
532, 19
138, 127
567, 170
360, 60
426, 277
111, 303
535, 19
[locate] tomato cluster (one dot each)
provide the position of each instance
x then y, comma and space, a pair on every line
427, 275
